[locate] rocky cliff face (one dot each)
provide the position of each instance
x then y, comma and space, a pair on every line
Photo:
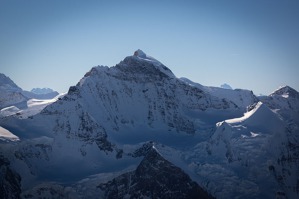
10, 181
154, 177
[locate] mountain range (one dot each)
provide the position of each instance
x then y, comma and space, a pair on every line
11, 94
135, 130
14, 100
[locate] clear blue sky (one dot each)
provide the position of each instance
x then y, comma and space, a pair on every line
248, 44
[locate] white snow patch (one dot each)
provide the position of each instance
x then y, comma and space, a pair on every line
246, 115
11, 110
285, 96
261, 118
254, 134
6, 135
219, 124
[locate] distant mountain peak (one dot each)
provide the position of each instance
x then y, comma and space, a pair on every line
139, 53
143, 56
226, 86
286, 91
42, 90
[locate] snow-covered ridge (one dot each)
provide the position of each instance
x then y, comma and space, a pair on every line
285, 100
246, 115
241, 97
258, 117
259, 108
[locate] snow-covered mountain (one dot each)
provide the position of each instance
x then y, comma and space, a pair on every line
249, 152
135, 130
42, 90
240, 97
226, 86
285, 102
15, 101
33, 95
10, 93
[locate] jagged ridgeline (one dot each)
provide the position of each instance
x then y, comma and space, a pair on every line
135, 130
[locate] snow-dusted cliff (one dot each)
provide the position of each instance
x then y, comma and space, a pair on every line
10, 93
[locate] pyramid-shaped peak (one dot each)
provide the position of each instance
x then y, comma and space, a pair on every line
141, 59
286, 91
140, 53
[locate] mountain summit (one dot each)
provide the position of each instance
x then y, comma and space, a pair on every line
146, 64
139, 53
286, 91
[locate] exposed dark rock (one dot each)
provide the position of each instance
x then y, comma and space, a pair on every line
10, 181
155, 177
143, 150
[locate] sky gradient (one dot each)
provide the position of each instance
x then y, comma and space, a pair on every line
248, 44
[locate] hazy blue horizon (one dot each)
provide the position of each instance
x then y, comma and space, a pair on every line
248, 44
